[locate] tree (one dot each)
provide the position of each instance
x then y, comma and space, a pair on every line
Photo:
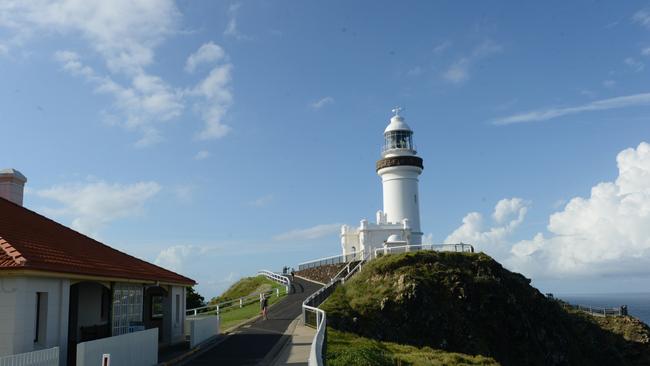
193, 299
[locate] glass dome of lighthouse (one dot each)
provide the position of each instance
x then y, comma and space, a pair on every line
398, 137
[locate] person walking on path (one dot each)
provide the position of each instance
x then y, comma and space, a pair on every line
264, 305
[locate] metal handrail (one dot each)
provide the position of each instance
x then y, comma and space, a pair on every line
596, 311
320, 338
356, 268
219, 307
245, 300
319, 343
460, 247
276, 277
335, 259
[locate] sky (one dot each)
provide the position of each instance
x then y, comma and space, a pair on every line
219, 138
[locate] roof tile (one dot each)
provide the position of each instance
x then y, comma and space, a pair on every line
31, 241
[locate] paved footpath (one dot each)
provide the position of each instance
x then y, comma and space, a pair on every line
250, 344
296, 352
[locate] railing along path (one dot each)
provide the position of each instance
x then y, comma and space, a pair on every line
461, 247
310, 309
242, 301
316, 317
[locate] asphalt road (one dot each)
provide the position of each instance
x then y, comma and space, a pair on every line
250, 344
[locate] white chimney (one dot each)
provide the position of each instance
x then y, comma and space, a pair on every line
12, 183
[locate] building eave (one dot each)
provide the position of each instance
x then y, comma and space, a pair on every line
26, 272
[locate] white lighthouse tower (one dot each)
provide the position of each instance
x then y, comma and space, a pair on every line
399, 169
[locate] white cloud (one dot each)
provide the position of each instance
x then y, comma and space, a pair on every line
93, 205
634, 64
416, 71
607, 233
201, 155
609, 83
645, 51
207, 53
508, 214
215, 89
184, 193
180, 258
231, 28
441, 47
459, 71
321, 102
642, 17
427, 238
144, 104
261, 201
313, 232
634, 100
125, 34
175, 258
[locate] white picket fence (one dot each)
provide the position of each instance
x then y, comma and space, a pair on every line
46, 357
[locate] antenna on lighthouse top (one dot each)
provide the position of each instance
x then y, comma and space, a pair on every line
397, 110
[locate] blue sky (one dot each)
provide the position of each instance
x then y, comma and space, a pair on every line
219, 138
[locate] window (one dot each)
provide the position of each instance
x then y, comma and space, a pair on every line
178, 308
157, 309
40, 328
127, 307
398, 140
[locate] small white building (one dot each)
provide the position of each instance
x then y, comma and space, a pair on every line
399, 169
59, 287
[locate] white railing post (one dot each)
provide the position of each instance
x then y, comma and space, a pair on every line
277, 292
195, 311
217, 309
241, 302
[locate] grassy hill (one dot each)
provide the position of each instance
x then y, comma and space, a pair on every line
247, 286
233, 315
469, 304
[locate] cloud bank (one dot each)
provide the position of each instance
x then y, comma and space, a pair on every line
605, 234
93, 205
125, 35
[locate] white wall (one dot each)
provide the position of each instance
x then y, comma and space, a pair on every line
177, 308
8, 292
401, 197
18, 302
132, 349
202, 329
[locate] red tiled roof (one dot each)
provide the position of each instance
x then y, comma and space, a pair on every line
34, 242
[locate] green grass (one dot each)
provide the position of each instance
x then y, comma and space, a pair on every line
237, 315
247, 286
350, 349
233, 314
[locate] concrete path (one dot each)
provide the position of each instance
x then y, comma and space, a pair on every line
296, 351
258, 342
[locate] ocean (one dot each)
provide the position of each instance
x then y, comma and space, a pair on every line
638, 304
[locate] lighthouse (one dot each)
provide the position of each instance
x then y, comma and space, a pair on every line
398, 224
399, 170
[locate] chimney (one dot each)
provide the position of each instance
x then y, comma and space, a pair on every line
12, 183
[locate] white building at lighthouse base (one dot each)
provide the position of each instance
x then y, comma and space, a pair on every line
370, 236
